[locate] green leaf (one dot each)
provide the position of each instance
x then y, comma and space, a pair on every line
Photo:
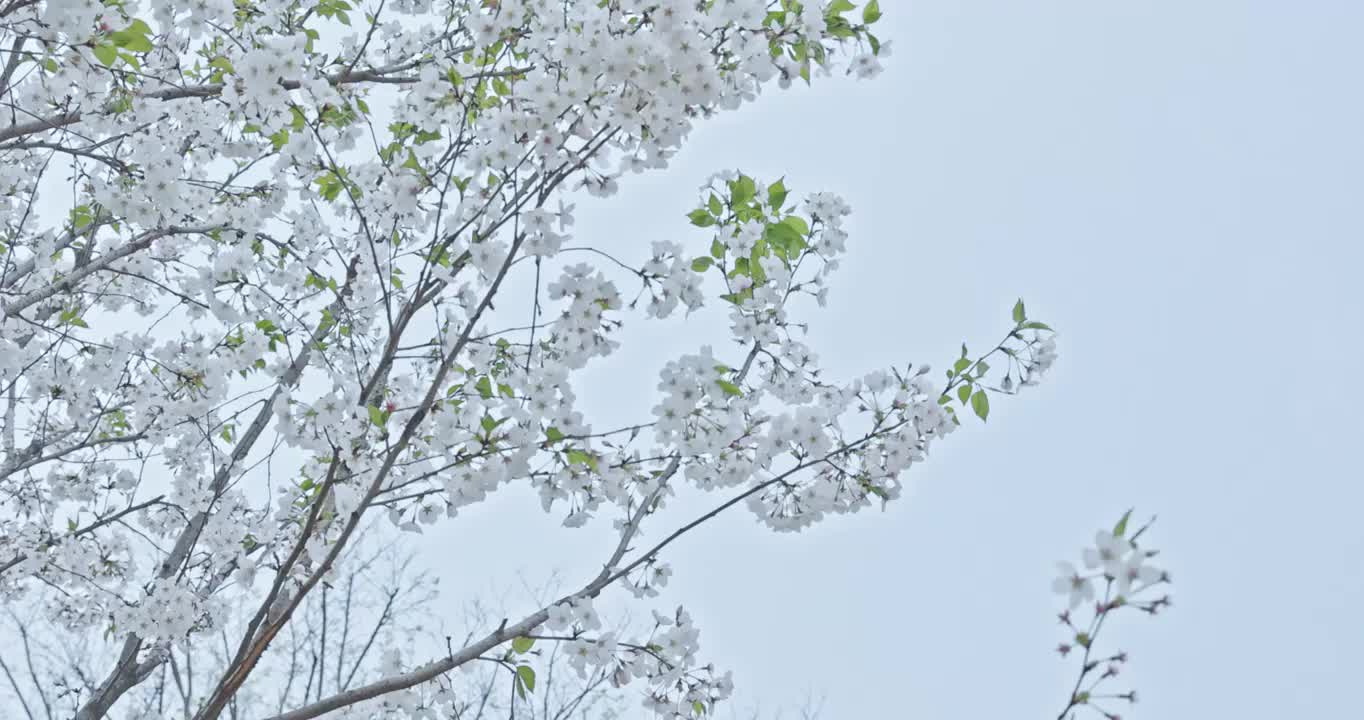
1121, 527
755, 268
106, 54
797, 223
71, 317
1019, 314
961, 364
484, 387
715, 205
964, 393
717, 249
872, 12
698, 707
526, 674
580, 457
839, 6
729, 388
1036, 326
553, 434
776, 195
701, 217
739, 297
131, 41
523, 645
980, 403
741, 191
279, 139
81, 216
785, 238
701, 264
377, 416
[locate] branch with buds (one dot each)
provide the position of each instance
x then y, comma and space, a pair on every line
1129, 582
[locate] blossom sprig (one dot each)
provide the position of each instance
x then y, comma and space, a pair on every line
665, 660
1128, 582
768, 416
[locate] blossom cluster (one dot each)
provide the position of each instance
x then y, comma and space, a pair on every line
1118, 576
665, 660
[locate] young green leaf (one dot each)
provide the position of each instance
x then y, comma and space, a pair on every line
872, 12
526, 674
377, 416
701, 217
776, 195
579, 457
1121, 527
797, 223
106, 54
741, 191
980, 403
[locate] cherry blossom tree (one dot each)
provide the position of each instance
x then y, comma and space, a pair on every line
271, 269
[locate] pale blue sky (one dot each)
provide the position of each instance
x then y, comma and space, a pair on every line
1176, 187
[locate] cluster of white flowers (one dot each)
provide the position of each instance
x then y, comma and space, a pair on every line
665, 660
1114, 559
581, 331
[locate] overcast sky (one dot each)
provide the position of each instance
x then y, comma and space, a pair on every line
1176, 187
